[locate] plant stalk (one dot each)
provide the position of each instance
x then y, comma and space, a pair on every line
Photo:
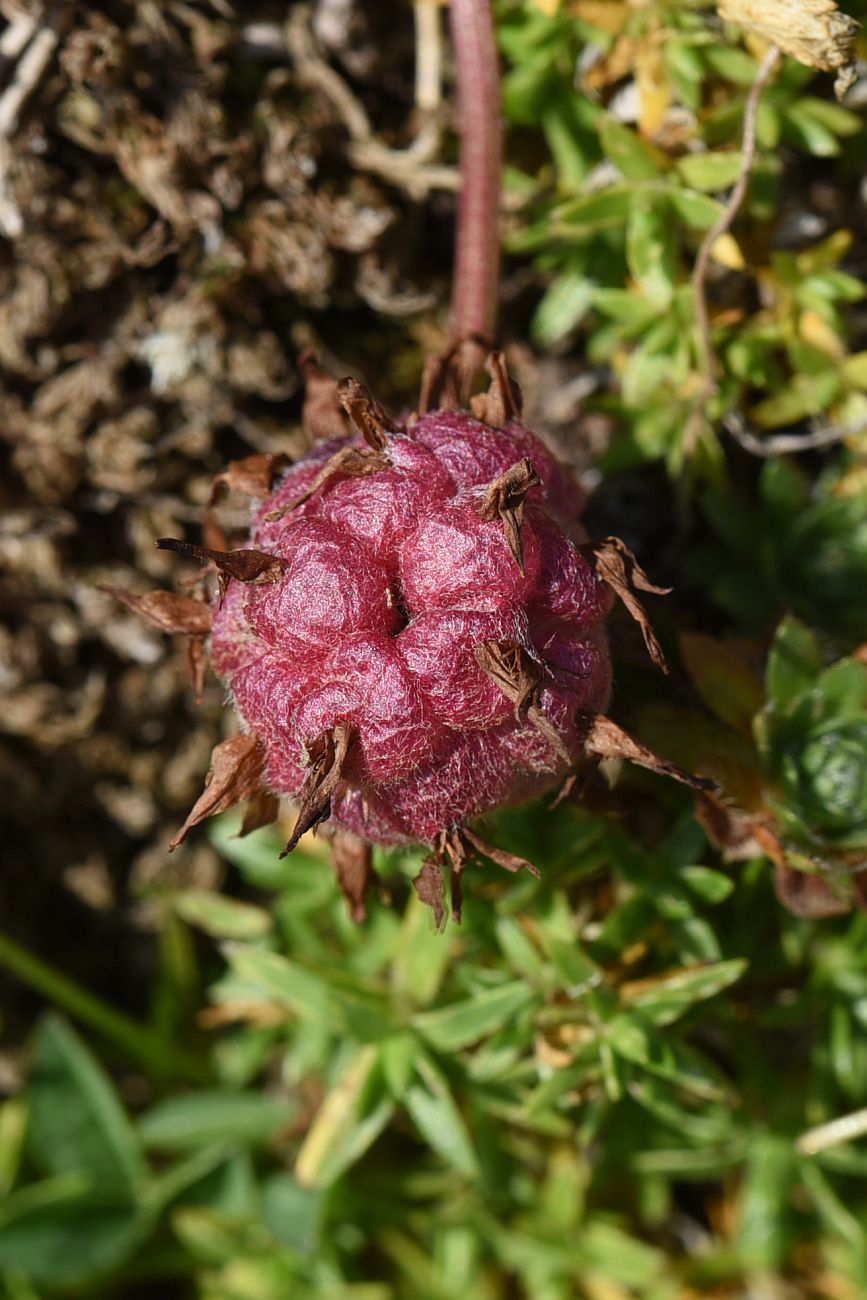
475, 285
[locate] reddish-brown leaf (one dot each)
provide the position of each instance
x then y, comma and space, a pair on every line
807, 895
617, 566
166, 610
234, 774
606, 739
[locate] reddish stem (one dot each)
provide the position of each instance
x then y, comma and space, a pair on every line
475, 289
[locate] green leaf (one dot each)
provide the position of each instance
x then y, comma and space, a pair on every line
65, 1237
221, 917
564, 305
350, 1119
435, 1115
76, 1120
292, 1213
710, 171
456, 1026
663, 999
710, 886
651, 250
697, 210
794, 663
202, 1119
591, 213
635, 159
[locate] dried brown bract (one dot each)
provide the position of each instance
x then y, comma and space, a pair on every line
502, 403
327, 756
519, 677
235, 773
246, 565
606, 739
618, 567
505, 499
254, 476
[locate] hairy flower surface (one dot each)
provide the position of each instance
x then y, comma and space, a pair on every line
414, 635
434, 644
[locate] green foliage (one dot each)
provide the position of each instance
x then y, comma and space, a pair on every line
624, 196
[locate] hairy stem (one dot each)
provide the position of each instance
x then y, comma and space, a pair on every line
477, 253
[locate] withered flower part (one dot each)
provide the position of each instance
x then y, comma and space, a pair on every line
606, 739
449, 378
322, 414
254, 476
167, 610
247, 566
429, 884
235, 773
352, 860
618, 567
262, 809
365, 413
456, 847
519, 677
179, 616
327, 756
348, 462
502, 403
505, 499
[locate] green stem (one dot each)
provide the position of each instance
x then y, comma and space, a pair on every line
136, 1041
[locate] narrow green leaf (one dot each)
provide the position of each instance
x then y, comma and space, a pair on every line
76, 1120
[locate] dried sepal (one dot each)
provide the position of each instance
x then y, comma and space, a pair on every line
812, 31
322, 415
519, 677
606, 739
448, 379
502, 403
167, 610
235, 774
365, 413
326, 758
352, 860
459, 845
254, 476
505, 500
349, 462
197, 666
262, 809
257, 567
429, 884
617, 566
